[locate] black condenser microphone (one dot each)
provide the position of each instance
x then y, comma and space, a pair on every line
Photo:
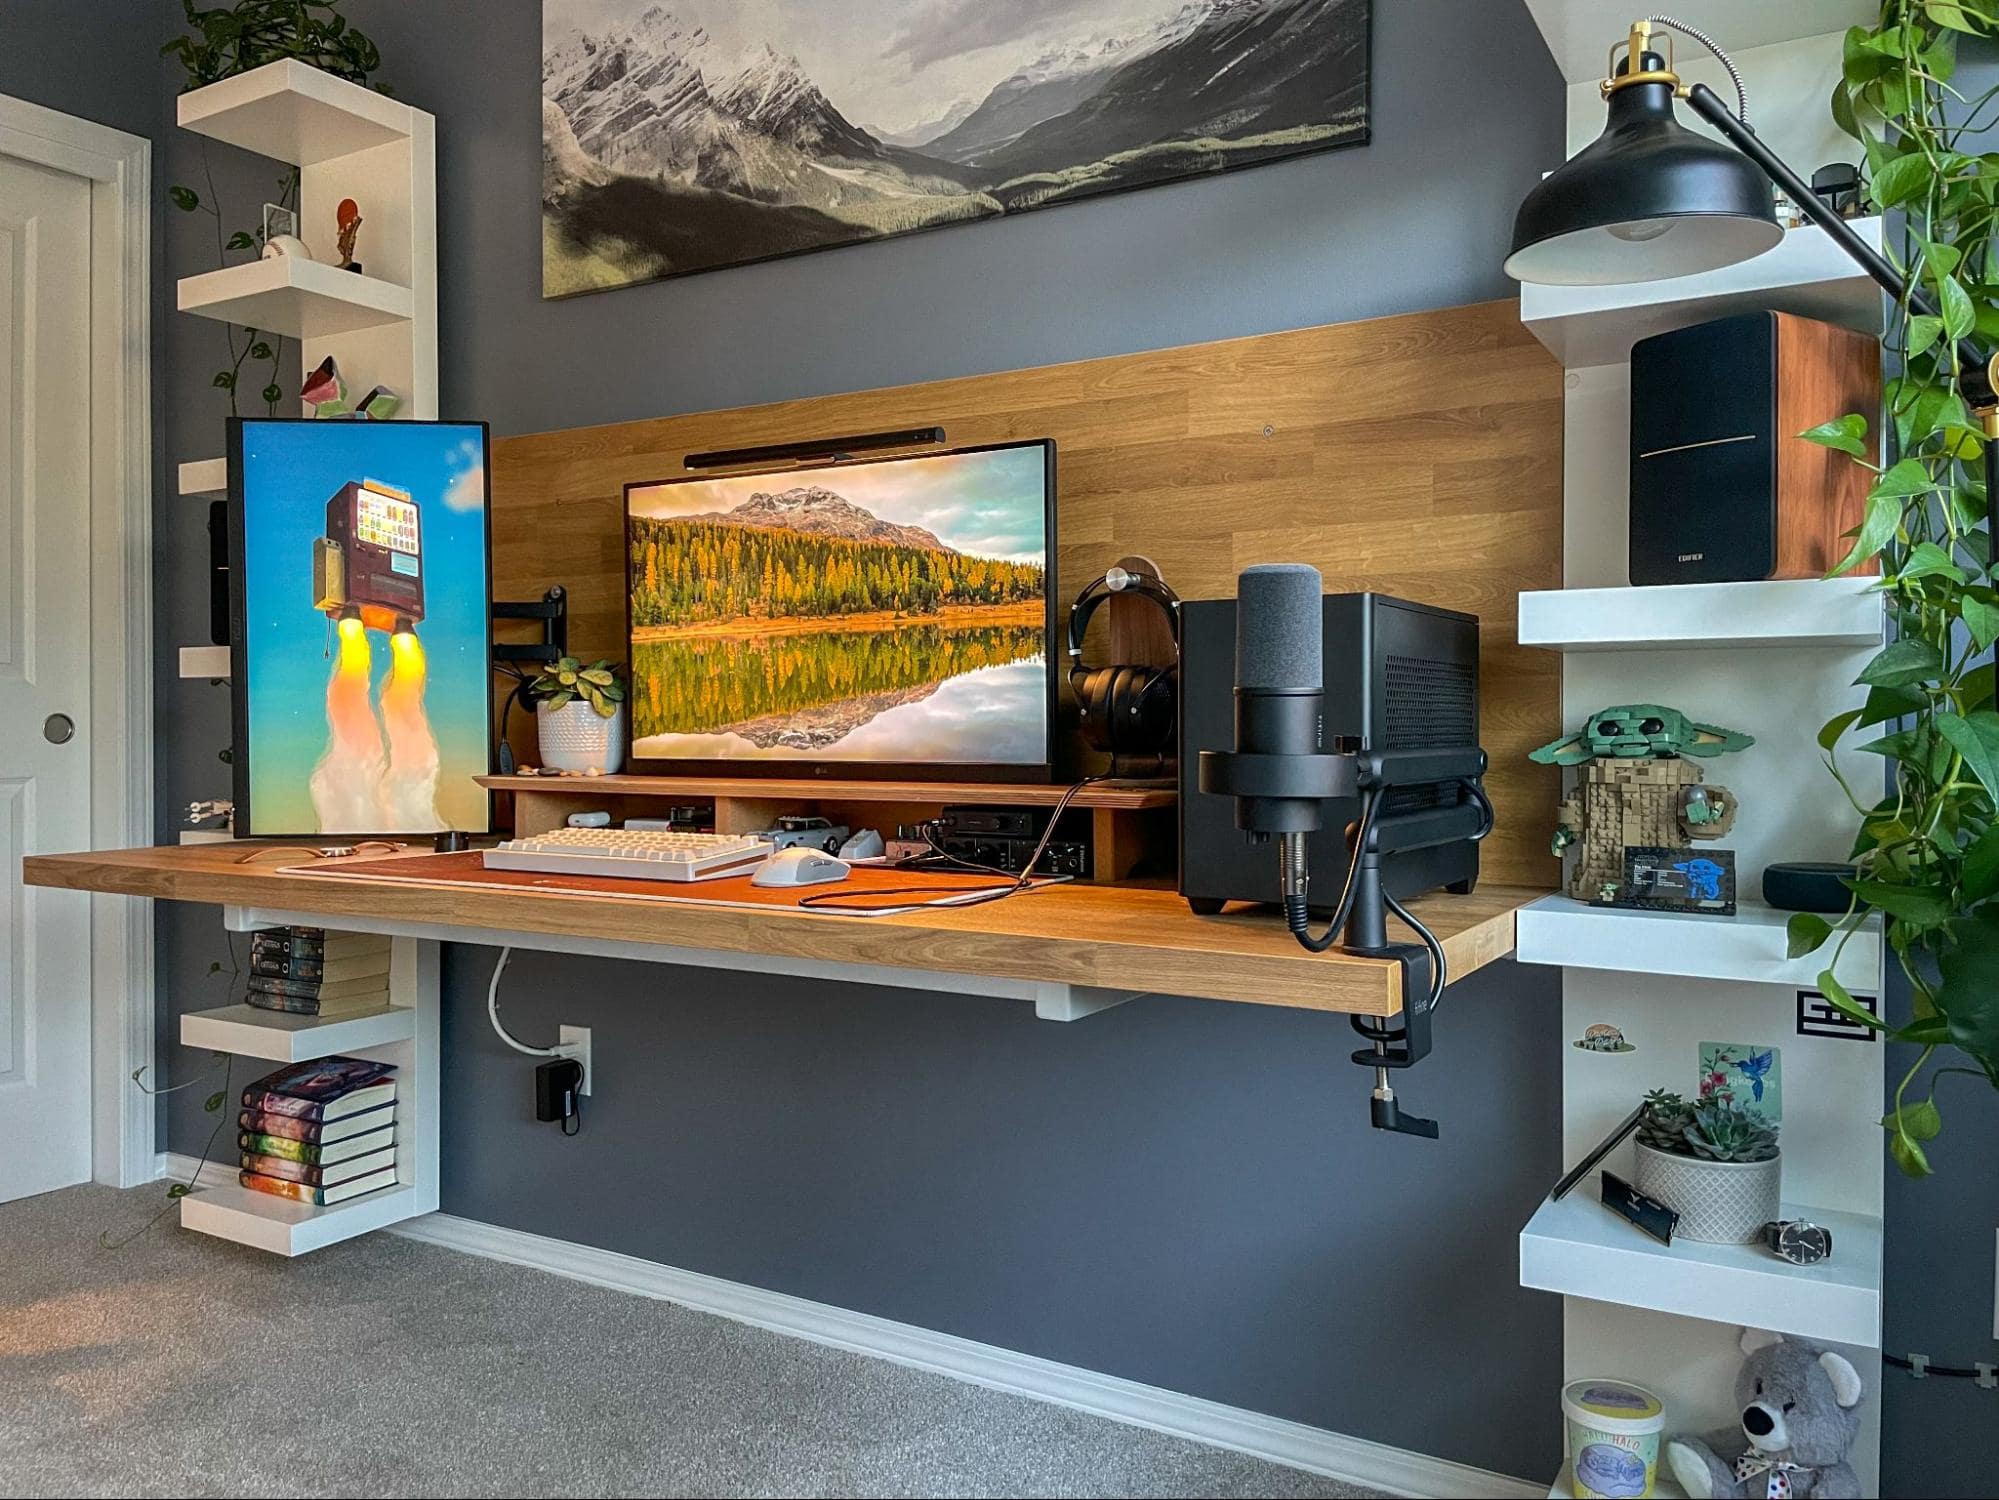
1280, 691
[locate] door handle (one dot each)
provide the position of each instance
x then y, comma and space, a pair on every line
58, 729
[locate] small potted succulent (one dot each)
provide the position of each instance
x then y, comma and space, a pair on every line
579, 717
1714, 1161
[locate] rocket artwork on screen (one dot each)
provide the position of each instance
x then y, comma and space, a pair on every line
367, 575
364, 569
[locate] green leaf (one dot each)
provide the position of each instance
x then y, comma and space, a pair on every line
1885, 704
1905, 479
599, 676
1957, 15
1981, 619
1902, 662
1806, 932
1900, 179
1841, 1001
1979, 877
242, 239
1837, 726
1976, 738
1920, 906
260, 350
1923, 332
1959, 317
214, 1101
179, 1190
1970, 992
1884, 515
1918, 1120
183, 198
1908, 1155
1848, 433
225, 380
1928, 560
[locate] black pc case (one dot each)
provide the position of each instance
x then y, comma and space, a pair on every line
1399, 676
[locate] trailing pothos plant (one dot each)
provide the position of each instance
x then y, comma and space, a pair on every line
1927, 853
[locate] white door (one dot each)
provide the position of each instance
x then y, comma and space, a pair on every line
44, 673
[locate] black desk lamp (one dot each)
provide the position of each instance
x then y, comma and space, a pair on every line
1650, 199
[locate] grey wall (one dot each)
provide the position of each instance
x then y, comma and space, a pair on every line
1176, 1191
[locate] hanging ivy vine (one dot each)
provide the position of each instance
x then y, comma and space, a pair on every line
1927, 852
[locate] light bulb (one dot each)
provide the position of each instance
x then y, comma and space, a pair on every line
1638, 231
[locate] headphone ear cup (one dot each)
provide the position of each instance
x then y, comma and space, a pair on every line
1091, 686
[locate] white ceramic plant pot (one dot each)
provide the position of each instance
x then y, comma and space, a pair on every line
1719, 1202
575, 737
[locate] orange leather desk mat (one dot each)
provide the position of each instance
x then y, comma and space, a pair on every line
468, 868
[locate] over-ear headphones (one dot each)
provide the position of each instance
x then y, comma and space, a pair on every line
1125, 710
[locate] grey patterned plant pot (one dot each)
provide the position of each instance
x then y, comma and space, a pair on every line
1719, 1202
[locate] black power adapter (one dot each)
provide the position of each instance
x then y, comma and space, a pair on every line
557, 1085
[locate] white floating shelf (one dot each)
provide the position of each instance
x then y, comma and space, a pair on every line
1663, 1487
1749, 946
1581, 1249
251, 1032
296, 297
1843, 612
223, 1207
294, 113
204, 662
1804, 273
205, 477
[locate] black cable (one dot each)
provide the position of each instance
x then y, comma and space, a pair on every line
981, 894
1297, 916
1441, 977
1902, 1362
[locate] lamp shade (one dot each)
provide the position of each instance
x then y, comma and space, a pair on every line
1647, 199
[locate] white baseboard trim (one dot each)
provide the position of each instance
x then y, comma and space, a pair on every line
1375, 1466
1394, 1471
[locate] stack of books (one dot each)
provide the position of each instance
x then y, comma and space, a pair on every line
307, 971
320, 1132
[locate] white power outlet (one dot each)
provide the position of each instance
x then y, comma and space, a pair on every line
574, 1041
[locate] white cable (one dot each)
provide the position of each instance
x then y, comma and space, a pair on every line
493, 1013
1727, 62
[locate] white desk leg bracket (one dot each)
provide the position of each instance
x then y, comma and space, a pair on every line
1072, 1002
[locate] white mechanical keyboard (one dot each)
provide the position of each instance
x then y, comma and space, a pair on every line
632, 853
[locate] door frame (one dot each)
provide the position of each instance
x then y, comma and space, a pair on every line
118, 167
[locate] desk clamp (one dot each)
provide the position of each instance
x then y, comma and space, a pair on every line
1289, 792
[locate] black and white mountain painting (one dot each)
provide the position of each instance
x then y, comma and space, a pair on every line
683, 135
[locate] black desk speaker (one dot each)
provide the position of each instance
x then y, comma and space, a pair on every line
1722, 488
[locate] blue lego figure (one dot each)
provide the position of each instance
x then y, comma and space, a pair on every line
1703, 878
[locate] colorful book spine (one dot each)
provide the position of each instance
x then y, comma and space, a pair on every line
286, 966
301, 1192
291, 1005
290, 1127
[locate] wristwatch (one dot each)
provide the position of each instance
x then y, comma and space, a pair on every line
1799, 1241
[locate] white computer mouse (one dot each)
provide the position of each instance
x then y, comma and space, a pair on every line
867, 844
800, 867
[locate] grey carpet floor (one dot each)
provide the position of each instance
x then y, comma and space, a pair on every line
184, 1365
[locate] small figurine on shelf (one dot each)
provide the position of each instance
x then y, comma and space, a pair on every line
347, 220
1637, 806
380, 405
324, 392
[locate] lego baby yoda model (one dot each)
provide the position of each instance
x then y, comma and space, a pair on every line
1638, 803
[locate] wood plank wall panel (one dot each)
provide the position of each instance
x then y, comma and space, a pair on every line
1420, 455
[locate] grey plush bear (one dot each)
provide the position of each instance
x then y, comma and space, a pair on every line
1798, 1422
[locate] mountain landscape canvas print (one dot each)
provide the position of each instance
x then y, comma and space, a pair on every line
686, 135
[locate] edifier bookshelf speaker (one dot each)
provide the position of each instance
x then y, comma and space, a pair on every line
1722, 488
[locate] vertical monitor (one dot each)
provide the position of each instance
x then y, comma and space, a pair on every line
889, 618
360, 641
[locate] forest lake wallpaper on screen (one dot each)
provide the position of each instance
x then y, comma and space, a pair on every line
893, 611
354, 724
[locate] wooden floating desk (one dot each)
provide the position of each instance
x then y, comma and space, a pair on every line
1070, 948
